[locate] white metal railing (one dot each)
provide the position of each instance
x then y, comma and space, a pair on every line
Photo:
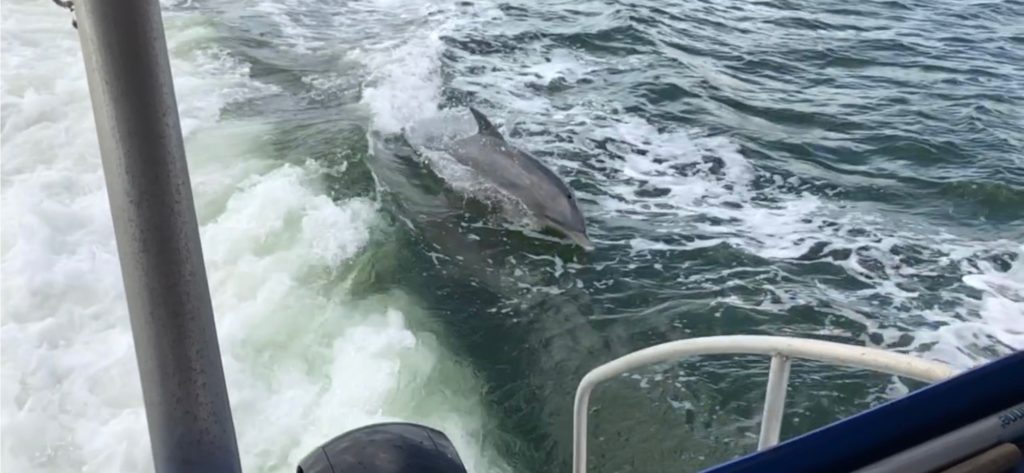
781, 349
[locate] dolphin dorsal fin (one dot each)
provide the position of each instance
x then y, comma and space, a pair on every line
484, 126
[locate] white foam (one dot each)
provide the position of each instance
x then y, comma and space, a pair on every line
288, 16
71, 399
303, 362
779, 225
405, 84
1000, 310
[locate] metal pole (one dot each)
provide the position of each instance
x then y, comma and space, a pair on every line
774, 401
998, 459
1006, 425
187, 409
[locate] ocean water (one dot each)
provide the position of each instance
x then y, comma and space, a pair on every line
845, 172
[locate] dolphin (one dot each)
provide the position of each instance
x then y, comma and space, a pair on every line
523, 177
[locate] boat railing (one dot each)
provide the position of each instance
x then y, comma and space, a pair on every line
781, 350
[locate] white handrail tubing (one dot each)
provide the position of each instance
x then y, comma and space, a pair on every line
785, 347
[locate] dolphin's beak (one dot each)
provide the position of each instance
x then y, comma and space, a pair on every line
581, 239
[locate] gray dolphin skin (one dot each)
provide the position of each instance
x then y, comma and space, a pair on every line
522, 176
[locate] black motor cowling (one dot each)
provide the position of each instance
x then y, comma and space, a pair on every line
385, 448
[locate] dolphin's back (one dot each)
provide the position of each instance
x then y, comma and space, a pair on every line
522, 176
507, 167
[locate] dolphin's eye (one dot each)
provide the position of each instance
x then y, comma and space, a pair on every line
568, 196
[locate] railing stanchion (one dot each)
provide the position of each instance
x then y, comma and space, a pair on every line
774, 401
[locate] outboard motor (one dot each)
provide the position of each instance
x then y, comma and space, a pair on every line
397, 447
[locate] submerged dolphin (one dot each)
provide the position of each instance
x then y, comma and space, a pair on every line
522, 176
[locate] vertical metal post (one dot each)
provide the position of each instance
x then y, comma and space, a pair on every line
774, 401
187, 409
